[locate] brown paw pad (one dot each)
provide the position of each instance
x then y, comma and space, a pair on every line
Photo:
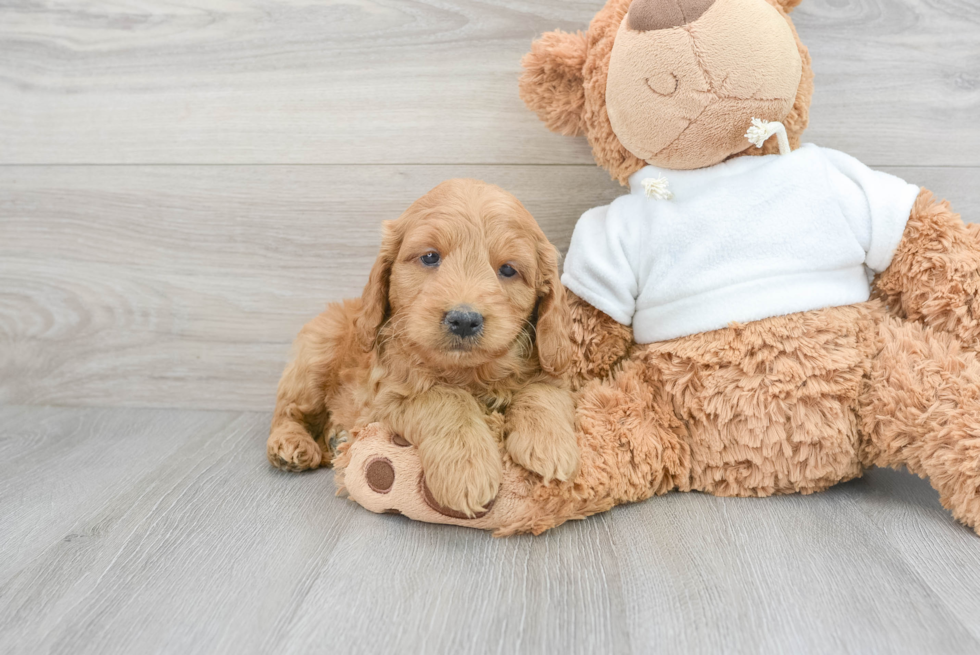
380, 475
285, 464
445, 511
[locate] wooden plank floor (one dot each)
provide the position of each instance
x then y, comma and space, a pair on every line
182, 185
138, 531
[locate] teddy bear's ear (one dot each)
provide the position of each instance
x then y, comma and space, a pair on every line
553, 85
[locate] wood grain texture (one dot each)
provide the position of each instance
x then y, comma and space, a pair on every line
421, 81
175, 535
183, 286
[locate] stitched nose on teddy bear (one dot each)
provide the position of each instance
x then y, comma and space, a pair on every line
649, 15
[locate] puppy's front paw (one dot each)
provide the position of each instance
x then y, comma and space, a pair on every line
550, 450
465, 477
291, 448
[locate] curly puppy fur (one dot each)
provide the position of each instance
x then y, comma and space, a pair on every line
392, 357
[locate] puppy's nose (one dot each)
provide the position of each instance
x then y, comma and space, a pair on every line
464, 322
649, 15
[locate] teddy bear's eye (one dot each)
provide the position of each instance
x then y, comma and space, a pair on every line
664, 86
430, 258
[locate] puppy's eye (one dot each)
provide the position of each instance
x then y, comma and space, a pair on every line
430, 259
507, 270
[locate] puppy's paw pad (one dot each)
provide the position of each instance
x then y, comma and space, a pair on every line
447, 511
336, 439
293, 453
552, 459
466, 487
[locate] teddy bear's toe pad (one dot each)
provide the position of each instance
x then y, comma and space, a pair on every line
379, 475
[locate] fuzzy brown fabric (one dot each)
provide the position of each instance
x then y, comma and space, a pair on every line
921, 409
935, 275
553, 86
788, 404
599, 341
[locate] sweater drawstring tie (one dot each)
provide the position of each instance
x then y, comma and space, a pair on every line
762, 130
657, 188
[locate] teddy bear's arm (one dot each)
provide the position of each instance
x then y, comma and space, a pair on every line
598, 342
934, 276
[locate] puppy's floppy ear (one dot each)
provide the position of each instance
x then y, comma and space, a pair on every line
553, 85
375, 306
554, 317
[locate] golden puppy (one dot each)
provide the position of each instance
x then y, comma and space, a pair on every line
463, 313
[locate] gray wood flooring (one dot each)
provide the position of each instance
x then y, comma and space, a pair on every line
182, 185
138, 531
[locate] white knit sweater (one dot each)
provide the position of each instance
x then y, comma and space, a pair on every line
740, 241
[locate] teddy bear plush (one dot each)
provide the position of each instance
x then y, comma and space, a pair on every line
743, 325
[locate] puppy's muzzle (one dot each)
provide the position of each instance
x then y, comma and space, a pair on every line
463, 322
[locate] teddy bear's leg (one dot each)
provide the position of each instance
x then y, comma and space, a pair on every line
382, 472
633, 445
598, 342
921, 409
630, 450
934, 277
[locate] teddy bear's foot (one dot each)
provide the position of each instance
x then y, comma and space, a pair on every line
381, 471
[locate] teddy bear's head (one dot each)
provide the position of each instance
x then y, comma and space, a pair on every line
673, 83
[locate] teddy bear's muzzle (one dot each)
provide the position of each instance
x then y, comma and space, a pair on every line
649, 15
